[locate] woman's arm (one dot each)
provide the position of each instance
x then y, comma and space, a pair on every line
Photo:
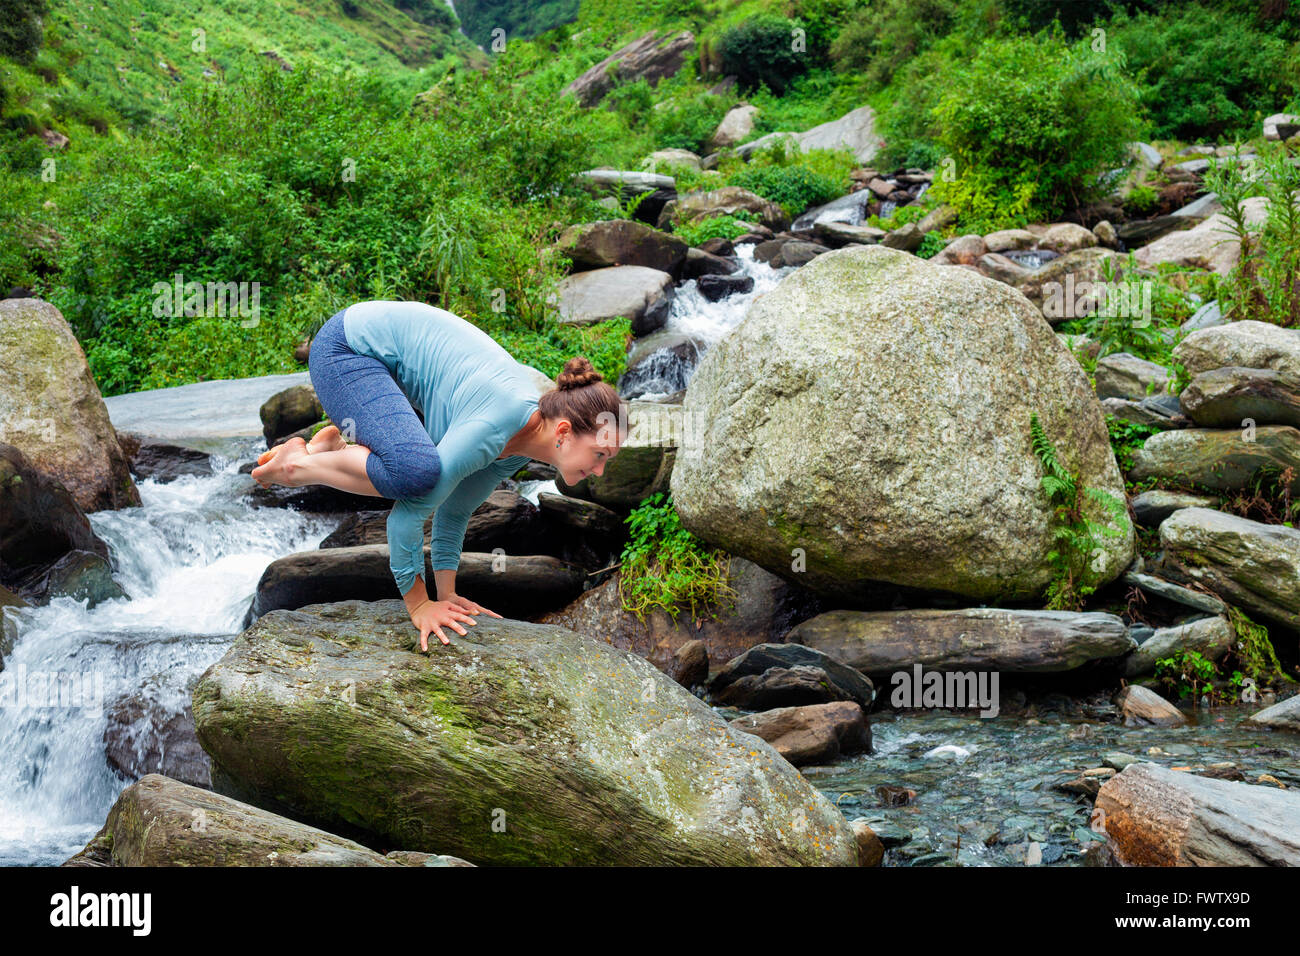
450, 522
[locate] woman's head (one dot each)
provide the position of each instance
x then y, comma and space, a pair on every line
585, 419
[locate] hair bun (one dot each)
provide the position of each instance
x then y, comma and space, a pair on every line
578, 371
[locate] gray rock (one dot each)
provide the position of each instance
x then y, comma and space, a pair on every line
516, 744
812, 734
1159, 587
1227, 460
762, 657
1284, 715
1121, 375
1206, 317
848, 210
1203, 246
1231, 397
736, 126
727, 201
621, 242
1247, 344
1211, 637
1200, 208
1154, 506
884, 469
1014, 641
1005, 239
637, 292
1143, 707
838, 233
1149, 411
797, 686
855, 131
1155, 816
650, 56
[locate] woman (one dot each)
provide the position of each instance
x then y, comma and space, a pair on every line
372, 364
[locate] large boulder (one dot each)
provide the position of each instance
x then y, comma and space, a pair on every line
1284, 715
764, 609
1211, 637
649, 57
869, 422
289, 411
158, 821
516, 744
51, 409
737, 125
1154, 816
1230, 397
998, 639
855, 132
1251, 565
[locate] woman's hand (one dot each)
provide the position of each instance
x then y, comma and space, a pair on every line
470, 607
434, 616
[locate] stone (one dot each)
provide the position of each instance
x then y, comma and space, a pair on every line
1154, 506
1220, 460
1085, 265
717, 288
621, 242
1209, 245
1002, 269
639, 293
1005, 239
763, 657
1155, 816
1201, 208
1271, 124
850, 209
1246, 344
796, 686
158, 821
908, 238
1007, 640
835, 450
1063, 237
727, 201
288, 411
699, 263
1106, 235
1207, 316
736, 126
142, 736
690, 664
762, 612
841, 234
51, 409
854, 131
812, 734
594, 757
1149, 411
937, 219
1284, 715
871, 849
650, 56
81, 575
964, 250
1231, 397
672, 157
1211, 637
163, 461
1121, 375
1143, 707
1251, 565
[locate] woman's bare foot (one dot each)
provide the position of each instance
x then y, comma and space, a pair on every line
328, 438
275, 471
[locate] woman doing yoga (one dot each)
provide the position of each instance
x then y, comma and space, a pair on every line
372, 365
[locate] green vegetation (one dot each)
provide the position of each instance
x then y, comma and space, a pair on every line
1255, 650
715, 227
665, 566
1076, 539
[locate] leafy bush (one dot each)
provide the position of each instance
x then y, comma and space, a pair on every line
761, 51
1206, 71
1034, 117
715, 227
879, 38
794, 188
20, 29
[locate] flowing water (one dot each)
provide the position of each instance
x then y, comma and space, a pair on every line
189, 560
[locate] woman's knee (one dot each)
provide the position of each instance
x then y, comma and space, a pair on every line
415, 472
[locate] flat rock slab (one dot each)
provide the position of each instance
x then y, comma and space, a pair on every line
223, 408
972, 639
516, 744
1159, 817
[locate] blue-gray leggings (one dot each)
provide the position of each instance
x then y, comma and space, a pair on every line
360, 395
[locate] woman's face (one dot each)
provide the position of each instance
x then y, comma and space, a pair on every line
581, 455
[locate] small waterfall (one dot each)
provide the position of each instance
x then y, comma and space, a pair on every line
694, 317
189, 560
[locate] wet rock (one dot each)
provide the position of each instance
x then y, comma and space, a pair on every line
80, 575
142, 736
757, 660
816, 733
1284, 715
1160, 817
1211, 637
1120, 375
1169, 591
871, 849
1048, 284
512, 585
586, 754
1002, 269
780, 419
839, 234
644, 462
700, 264
690, 664
163, 822
878, 642
907, 238
288, 411
164, 462
1158, 411
964, 250
717, 288
796, 686
51, 409
1142, 707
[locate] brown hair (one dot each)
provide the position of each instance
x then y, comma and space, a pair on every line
582, 396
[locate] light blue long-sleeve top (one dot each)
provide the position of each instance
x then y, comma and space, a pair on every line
474, 397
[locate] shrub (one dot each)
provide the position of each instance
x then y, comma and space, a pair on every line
794, 188
1035, 116
761, 50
